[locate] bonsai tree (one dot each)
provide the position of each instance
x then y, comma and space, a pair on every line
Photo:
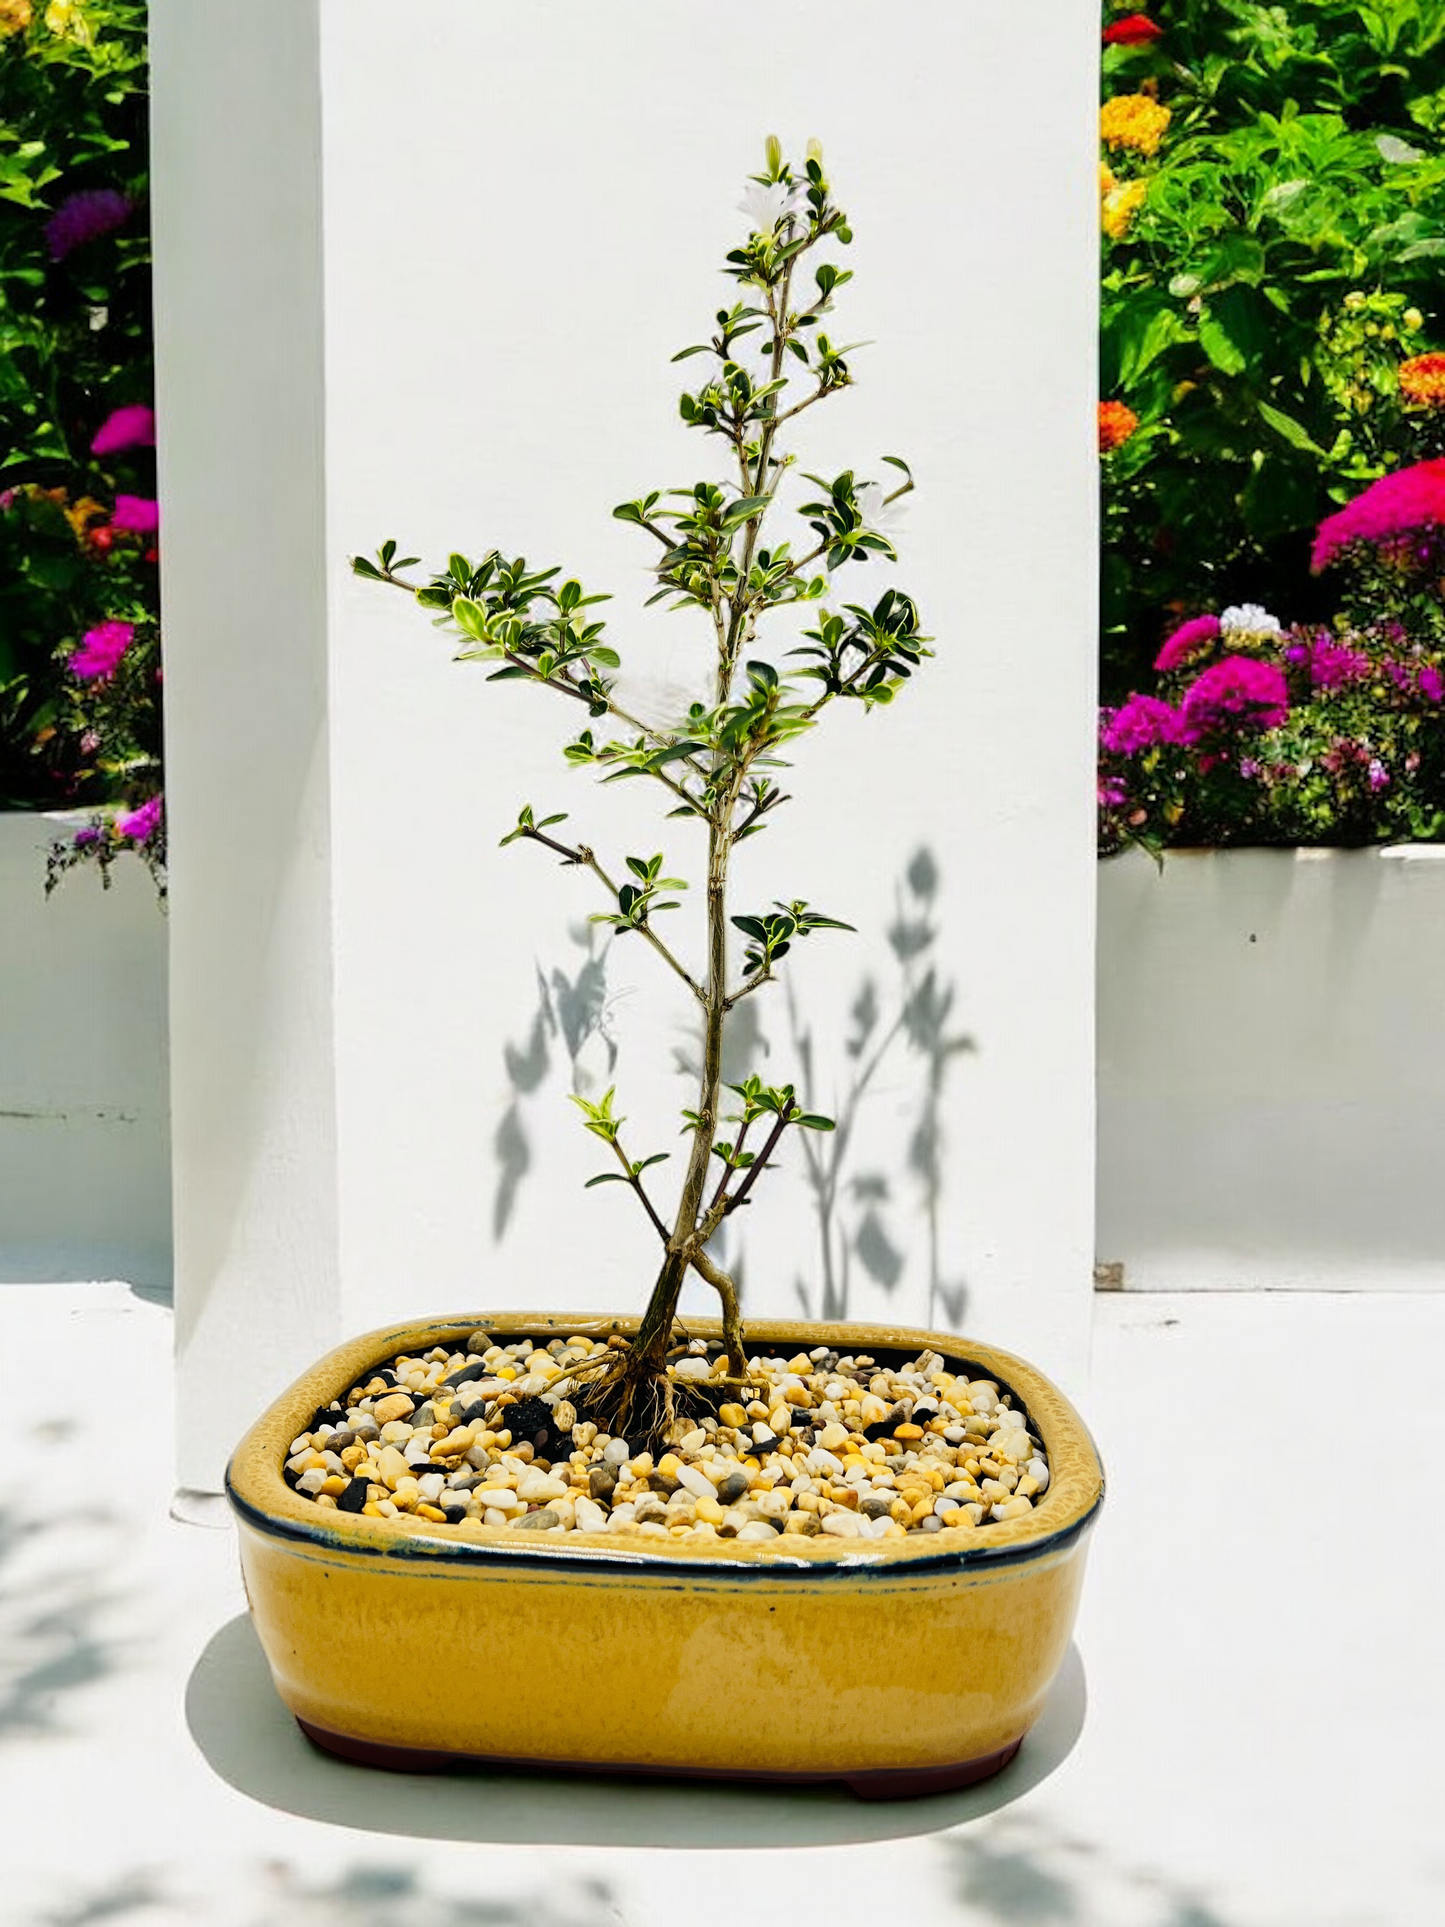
717, 767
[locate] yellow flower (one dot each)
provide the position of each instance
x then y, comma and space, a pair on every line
1121, 204
14, 17
64, 17
1133, 121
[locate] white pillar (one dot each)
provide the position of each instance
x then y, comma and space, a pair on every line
237, 209
525, 211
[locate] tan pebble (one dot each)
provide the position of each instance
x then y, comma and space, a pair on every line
832, 1436
1012, 1509
908, 1431
711, 1511
732, 1415
372, 1509
921, 1511
1026, 1487
390, 1466
353, 1456
397, 1406
326, 1499
433, 1512
334, 1486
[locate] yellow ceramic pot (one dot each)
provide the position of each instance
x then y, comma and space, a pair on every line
899, 1666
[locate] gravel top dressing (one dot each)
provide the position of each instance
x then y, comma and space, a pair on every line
843, 1447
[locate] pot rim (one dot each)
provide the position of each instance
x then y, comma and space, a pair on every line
262, 1500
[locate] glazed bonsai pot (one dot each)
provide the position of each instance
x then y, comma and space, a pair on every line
898, 1666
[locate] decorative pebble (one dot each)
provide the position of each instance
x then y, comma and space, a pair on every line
820, 1446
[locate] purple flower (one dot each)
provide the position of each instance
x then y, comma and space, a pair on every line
84, 217
136, 514
131, 427
83, 839
1112, 794
1188, 637
1237, 693
1432, 685
1333, 664
101, 649
1379, 776
141, 825
1137, 724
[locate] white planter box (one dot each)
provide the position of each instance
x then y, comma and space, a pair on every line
84, 1111
1271, 1059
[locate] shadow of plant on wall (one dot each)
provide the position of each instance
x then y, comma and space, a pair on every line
856, 1210
1021, 1872
903, 1023
573, 1011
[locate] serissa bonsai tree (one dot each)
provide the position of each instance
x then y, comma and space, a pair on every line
718, 766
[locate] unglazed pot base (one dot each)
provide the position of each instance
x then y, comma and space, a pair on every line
897, 1666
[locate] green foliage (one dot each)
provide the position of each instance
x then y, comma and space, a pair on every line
1265, 270
74, 346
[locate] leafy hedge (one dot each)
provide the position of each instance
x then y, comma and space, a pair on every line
1273, 203
79, 606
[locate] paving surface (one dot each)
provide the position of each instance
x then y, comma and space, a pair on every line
1248, 1732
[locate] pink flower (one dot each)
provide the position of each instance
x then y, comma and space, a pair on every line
101, 649
1238, 693
1112, 794
1378, 775
1188, 637
133, 426
1333, 664
84, 217
1408, 502
141, 825
1138, 724
136, 514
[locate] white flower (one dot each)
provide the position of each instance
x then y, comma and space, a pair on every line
766, 206
880, 515
1248, 619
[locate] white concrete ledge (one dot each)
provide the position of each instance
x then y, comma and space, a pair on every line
1271, 1072
84, 1108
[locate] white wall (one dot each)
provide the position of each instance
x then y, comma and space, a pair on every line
84, 1160
1272, 1069
524, 215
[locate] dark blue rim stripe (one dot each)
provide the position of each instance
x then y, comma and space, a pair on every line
465, 1552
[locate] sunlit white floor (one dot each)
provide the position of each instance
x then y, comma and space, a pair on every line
1249, 1731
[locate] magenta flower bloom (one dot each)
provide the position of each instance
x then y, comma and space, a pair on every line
83, 838
101, 649
1138, 724
1188, 637
1238, 693
1410, 501
131, 427
1432, 685
83, 217
1378, 775
1112, 794
136, 514
1333, 664
141, 825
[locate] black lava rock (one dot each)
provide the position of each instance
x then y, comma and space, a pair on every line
332, 1414
768, 1443
353, 1498
532, 1420
466, 1375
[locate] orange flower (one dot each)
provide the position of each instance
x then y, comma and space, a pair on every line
1119, 205
1117, 422
1133, 121
1422, 380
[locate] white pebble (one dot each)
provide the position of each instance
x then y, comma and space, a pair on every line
1039, 1473
590, 1516
621, 1516
824, 1462
842, 1525
696, 1482
538, 1487
313, 1480
616, 1452
691, 1368
756, 1531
